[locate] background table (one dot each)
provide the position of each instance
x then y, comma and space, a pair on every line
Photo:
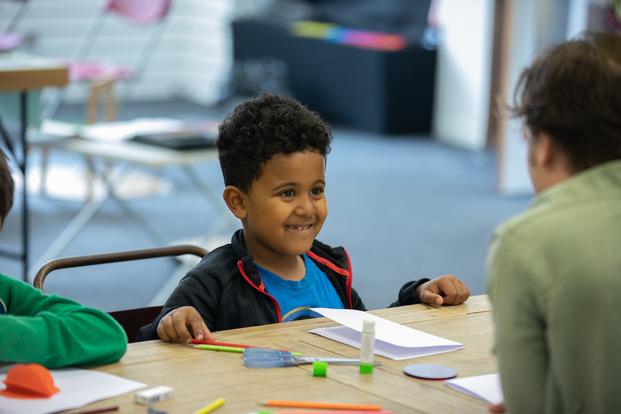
22, 73
122, 155
199, 377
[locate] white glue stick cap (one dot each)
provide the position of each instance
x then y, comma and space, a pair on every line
368, 326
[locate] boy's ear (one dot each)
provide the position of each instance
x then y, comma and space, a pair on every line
550, 155
542, 151
235, 200
547, 150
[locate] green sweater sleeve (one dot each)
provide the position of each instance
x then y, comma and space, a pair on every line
55, 331
520, 344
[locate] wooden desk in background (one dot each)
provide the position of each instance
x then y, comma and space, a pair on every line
25, 73
199, 377
22, 73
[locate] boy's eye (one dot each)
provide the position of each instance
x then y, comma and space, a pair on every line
288, 194
317, 191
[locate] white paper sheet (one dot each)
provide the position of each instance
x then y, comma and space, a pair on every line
484, 387
392, 340
78, 387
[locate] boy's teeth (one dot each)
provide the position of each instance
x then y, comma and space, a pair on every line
299, 227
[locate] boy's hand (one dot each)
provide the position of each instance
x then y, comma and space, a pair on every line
497, 408
183, 324
443, 290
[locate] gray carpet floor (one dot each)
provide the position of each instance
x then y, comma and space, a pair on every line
403, 206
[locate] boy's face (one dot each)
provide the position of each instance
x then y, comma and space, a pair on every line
285, 206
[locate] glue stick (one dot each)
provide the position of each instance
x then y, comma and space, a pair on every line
367, 345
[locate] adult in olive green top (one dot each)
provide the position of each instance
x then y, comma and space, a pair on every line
49, 329
554, 272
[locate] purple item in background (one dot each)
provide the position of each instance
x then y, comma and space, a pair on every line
9, 41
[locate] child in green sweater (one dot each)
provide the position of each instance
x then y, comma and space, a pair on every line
49, 329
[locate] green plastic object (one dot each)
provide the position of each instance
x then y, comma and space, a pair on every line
320, 369
366, 368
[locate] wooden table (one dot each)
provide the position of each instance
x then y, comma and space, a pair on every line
23, 73
199, 377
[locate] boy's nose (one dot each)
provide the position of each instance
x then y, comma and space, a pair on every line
305, 206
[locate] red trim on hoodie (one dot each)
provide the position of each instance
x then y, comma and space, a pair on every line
339, 270
240, 267
349, 281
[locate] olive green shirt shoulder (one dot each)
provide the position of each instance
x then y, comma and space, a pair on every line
554, 278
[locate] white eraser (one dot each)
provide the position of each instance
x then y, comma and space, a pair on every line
153, 395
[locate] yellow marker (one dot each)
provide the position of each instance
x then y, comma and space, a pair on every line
211, 407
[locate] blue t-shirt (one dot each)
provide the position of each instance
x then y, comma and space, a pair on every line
313, 291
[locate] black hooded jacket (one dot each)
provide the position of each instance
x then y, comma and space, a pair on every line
226, 289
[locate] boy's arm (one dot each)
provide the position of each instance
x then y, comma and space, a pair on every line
191, 291
407, 293
356, 301
443, 290
55, 331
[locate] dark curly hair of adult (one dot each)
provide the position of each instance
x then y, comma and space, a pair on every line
572, 92
263, 127
6, 188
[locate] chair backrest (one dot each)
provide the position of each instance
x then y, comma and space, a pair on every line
130, 319
81, 68
21, 9
140, 11
145, 12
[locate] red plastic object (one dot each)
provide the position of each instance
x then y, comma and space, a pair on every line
29, 381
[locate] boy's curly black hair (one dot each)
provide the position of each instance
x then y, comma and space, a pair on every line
265, 126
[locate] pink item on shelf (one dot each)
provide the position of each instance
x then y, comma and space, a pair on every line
86, 71
140, 11
373, 40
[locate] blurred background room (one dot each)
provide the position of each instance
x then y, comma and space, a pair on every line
425, 161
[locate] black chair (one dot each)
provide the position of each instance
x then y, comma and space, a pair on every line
130, 319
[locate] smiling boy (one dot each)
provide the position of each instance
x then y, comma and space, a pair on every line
272, 152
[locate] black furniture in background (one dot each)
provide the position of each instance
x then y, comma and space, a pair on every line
374, 90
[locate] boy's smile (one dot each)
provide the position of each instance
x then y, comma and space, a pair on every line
285, 209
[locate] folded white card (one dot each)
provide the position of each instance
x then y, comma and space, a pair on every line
484, 387
392, 340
